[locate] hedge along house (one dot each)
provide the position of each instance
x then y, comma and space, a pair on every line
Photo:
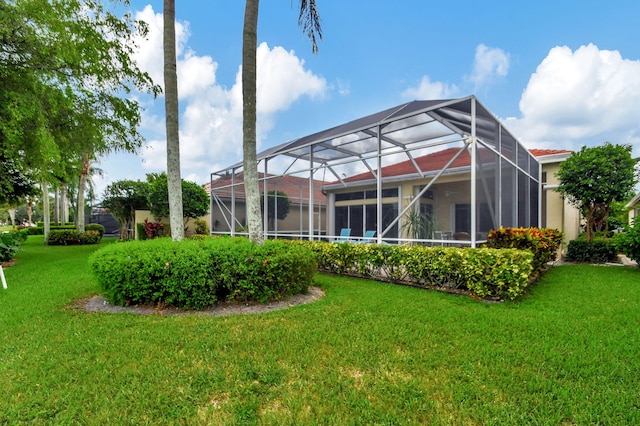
425, 171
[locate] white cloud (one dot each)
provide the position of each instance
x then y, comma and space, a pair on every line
579, 98
431, 90
211, 114
489, 63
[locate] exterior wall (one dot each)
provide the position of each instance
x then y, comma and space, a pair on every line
291, 224
557, 212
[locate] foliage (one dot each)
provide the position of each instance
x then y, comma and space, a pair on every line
10, 244
197, 273
72, 237
483, 272
95, 227
64, 67
122, 199
594, 178
629, 241
597, 251
544, 243
195, 200
417, 225
152, 229
201, 227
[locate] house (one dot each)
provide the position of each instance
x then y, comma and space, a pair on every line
228, 210
634, 207
428, 171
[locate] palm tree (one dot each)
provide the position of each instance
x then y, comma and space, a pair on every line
309, 20
174, 179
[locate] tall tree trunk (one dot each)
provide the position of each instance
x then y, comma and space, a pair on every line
57, 209
46, 215
250, 162
12, 216
82, 185
174, 179
64, 204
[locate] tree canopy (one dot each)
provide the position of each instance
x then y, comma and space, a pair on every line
594, 177
195, 200
65, 66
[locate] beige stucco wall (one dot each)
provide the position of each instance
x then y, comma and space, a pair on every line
558, 213
290, 224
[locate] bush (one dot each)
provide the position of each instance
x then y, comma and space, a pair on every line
10, 244
72, 237
598, 251
95, 227
629, 241
482, 271
201, 227
140, 231
195, 274
542, 242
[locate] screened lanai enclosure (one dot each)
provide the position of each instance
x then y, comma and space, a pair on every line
435, 172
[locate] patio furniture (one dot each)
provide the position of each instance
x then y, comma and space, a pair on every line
345, 233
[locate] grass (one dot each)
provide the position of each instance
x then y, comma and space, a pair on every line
367, 353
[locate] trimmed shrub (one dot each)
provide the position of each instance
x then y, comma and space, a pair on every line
485, 272
195, 274
72, 237
628, 242
95, 227
542, 242
598, 251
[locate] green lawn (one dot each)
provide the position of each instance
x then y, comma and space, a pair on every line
367, 353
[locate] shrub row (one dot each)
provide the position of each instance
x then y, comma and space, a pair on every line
73, 237
542, 242
482, 271
195, 274
598, 251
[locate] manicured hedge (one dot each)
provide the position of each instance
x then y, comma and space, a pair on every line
73, 237
598, 251
195, 274
485, 272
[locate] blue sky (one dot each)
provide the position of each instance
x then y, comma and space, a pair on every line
560, 74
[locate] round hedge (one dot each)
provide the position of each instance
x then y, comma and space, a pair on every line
195, 274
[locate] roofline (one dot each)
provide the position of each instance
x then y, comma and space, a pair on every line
553, 158
633, 201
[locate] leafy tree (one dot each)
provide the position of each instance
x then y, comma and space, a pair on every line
172, 122
593, 178
277, 206
64, 67
309, 20
122, 199
195, 198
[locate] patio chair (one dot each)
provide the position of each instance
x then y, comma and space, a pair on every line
345, 233
368, 238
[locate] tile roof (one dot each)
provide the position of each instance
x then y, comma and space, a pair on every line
436, 161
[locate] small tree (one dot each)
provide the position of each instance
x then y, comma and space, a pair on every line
195, 200
277, 206
122, 199
593, 178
